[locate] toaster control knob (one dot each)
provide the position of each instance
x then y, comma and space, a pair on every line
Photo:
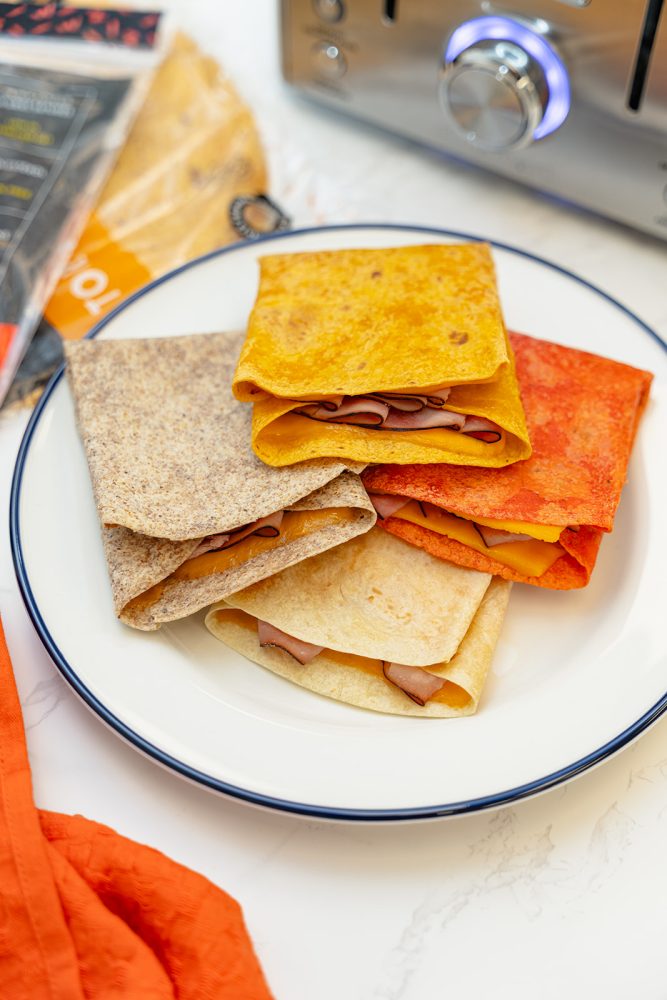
495, 95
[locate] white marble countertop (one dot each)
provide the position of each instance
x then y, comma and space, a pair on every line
563, 894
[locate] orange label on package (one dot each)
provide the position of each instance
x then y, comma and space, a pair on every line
98, 277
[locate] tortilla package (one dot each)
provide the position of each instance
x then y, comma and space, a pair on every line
193, 150
540, 521
395, 355
375, 624
189, 514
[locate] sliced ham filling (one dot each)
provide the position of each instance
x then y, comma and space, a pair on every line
405, 401
482, 430
401, 412
424, 420
209, 544
527, 548
496, 536
361, 411
302, 652
417, 683
386, 505
263, 527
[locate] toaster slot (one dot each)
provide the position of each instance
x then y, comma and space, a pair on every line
390, 11
643, 58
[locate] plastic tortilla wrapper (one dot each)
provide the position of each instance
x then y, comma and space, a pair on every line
583, 411
193, 150
371, 600
68, 99
168, 448
358, 322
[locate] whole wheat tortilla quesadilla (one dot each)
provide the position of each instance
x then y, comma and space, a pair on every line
188, 513
375, 624
539, 521
395, 355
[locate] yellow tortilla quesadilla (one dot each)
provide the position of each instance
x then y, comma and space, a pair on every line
397, 355
373, 623
188, 513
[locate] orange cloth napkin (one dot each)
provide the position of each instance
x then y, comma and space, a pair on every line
86, 913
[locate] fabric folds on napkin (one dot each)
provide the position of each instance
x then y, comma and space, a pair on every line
86, 913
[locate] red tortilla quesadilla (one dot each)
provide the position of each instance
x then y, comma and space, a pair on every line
539, 521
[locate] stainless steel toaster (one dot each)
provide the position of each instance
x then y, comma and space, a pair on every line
569, 96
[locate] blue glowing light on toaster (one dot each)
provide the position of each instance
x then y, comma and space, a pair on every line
505, 29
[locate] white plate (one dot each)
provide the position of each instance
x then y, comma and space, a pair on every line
575, 677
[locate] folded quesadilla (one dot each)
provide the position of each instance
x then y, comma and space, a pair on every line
189, 514
375, 624
396, 355
539, 521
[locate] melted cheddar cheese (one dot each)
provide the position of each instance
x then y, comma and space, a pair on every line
295, 524
451, 694
289, 430
532, 558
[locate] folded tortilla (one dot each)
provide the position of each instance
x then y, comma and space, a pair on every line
539, 521
395, 355
355, 614
189, 514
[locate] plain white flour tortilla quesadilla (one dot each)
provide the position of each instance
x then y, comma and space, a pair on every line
374, 623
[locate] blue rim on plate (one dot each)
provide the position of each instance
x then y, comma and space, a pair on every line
285, 805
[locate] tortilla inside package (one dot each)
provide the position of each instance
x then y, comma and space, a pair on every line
387, 355
194, 148
188, 513
539, 521
67, 100
374, 624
